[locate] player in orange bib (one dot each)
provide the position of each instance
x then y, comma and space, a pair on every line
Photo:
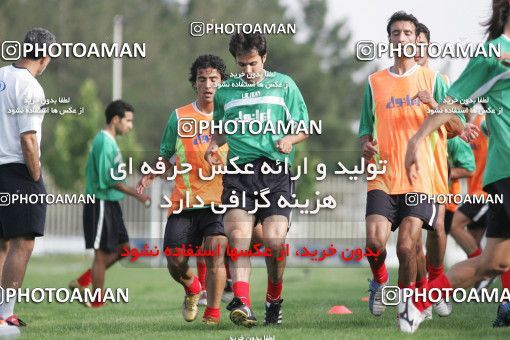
190, 219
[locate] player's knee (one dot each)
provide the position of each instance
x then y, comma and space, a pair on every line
22, 245
406, 250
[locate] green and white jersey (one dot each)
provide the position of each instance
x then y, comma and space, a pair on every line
275, 98
103, 156
490, 78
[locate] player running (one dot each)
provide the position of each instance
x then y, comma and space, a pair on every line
487, 77
103, 224
390, 115
195, 225
257, 96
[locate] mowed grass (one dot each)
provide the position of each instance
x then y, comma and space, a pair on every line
153, 311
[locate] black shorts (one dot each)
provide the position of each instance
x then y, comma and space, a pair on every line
477, 212
20, 218
191, 227
395, 209
279, 185
103, 226
448, 218
498, 215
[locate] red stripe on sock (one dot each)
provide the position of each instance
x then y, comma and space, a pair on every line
274, 291
475, 253
85, 279
194, 288
242, 291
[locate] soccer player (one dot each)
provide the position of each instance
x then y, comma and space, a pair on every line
103, 224
483, 77
194, 225
391, 114
257, 96
20, 168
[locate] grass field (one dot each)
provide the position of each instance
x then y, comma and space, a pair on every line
154, 304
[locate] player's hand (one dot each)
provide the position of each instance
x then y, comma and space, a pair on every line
411, 160
144, 183
211, 155
283, 146
145, 199
426, 98
471, 131
369, 150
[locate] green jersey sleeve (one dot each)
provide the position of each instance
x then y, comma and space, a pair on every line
169, 139
108, 160
461, 154
366, 123
295, 103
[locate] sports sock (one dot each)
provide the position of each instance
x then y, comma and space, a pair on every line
85, 279
212, 312
475, 253
274, 291
242, 291
202, 272
433, 271
378, 267
440, 283
194, 288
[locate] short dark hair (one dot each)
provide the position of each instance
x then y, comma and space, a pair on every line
38, 36
401, 16
421, 28
205, 61
241, 43
117, 108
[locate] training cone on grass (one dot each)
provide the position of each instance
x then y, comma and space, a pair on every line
339, 310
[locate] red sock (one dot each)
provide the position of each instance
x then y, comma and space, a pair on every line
202, 272
378, 267
440, 282
422, 283
85, 279
227, 267
99, 302
242, 291
194, 288
433, 271
475, 253
274, 291
212, 312
505, 279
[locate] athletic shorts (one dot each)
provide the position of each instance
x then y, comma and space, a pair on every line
103, 226
191, 227
395, 209
20, 218
448, 219
477, 212
279, 185
498, 215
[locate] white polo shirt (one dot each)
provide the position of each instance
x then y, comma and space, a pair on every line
21, 98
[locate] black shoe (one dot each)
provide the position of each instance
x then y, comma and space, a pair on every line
273, 313
503, 316
241, 314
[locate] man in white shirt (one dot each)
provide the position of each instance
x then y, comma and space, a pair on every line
21, 116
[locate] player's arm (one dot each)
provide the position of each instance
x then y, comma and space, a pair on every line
166, 151
285, 144
29, 122
30, 149
366, 126
462, 159
217, 140
131, 192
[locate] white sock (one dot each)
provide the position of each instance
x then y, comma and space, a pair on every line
7, 307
